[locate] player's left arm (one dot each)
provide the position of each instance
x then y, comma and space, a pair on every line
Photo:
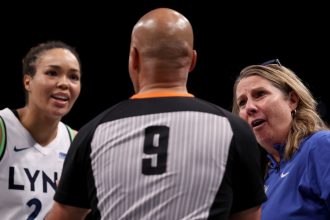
66, 212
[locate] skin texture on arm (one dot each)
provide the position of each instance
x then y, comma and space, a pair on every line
65, 212
249, 214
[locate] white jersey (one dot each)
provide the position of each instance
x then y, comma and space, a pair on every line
28, 171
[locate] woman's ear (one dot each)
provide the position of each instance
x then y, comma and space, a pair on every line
294, 100
26, 82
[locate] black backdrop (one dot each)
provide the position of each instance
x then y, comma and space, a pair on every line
228, 37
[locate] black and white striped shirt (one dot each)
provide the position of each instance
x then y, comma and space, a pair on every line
163, 158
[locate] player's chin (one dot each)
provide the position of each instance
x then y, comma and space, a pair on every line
60, 112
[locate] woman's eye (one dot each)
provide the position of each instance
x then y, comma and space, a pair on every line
260, 93
241, 103
74, 77
51, 73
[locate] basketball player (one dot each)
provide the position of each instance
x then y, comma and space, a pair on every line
33, 140
163, 154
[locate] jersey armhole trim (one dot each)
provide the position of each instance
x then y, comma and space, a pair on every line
71, 132
3, 138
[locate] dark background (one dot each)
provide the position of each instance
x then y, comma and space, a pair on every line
228, 37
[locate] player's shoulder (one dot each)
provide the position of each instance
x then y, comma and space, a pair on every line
4, 114
71, 132
2, 137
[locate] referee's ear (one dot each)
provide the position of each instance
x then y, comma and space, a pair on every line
193, 61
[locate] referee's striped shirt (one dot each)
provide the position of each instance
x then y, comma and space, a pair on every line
163, 158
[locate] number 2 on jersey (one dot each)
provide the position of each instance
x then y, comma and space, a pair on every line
156, 145
37, 204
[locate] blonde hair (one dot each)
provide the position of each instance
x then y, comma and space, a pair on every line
306, 119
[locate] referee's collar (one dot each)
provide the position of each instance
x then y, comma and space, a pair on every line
156, 94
